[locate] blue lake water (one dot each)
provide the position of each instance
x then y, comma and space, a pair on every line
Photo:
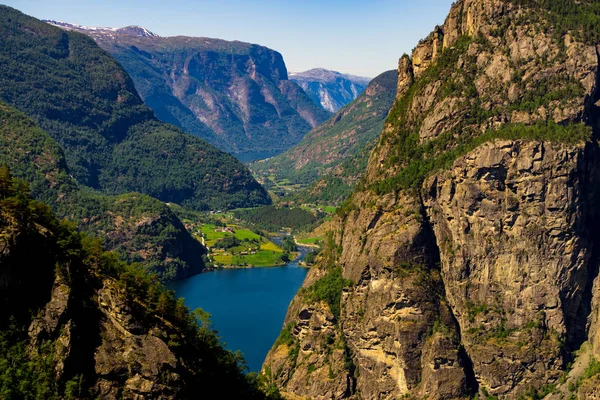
248, 306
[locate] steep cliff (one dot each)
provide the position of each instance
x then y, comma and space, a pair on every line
331, 89
235, 95
76, 323
466, 263
331, 158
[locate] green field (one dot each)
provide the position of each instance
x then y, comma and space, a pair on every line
269, 254
262, 258
313, 240
211, 236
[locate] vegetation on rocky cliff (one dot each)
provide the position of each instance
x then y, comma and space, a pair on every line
470, 240
57, 356
421, 160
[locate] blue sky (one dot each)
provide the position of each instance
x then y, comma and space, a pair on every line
357, 37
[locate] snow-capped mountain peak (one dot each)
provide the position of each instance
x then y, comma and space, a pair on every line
132, 30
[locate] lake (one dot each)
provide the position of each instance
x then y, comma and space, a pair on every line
248, 306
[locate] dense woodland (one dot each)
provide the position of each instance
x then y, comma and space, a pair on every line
273, 218
36, 158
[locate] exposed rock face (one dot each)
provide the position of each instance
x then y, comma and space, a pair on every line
143, 361
131, 361
331, 89
512, 222
235, 95
471, 251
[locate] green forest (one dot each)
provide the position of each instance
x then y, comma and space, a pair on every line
273, 218
36, 158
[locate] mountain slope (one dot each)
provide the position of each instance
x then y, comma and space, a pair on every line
82, 97
333, 156
89, 326
235, 95
331, 89
467, 264
138, 227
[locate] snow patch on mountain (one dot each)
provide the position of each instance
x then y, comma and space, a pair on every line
132, 30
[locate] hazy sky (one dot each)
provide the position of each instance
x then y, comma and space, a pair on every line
358, 37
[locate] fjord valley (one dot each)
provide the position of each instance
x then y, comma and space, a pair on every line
79, 322
235, 95
448, 208
76, 135
328, 163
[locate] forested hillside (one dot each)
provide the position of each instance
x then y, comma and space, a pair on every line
86, 101
330, 159
137, 226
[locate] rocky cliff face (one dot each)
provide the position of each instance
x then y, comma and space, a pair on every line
331, 89
235, 95
467, 262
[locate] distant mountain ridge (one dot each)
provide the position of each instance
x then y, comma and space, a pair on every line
86, 101
331, 158
235, 95
133, 30
331, 89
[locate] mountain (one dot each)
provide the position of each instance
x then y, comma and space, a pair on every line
235, 95
331, 89
82, 97
77, 323
133, 30
332, 157
138, 227
466, 264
